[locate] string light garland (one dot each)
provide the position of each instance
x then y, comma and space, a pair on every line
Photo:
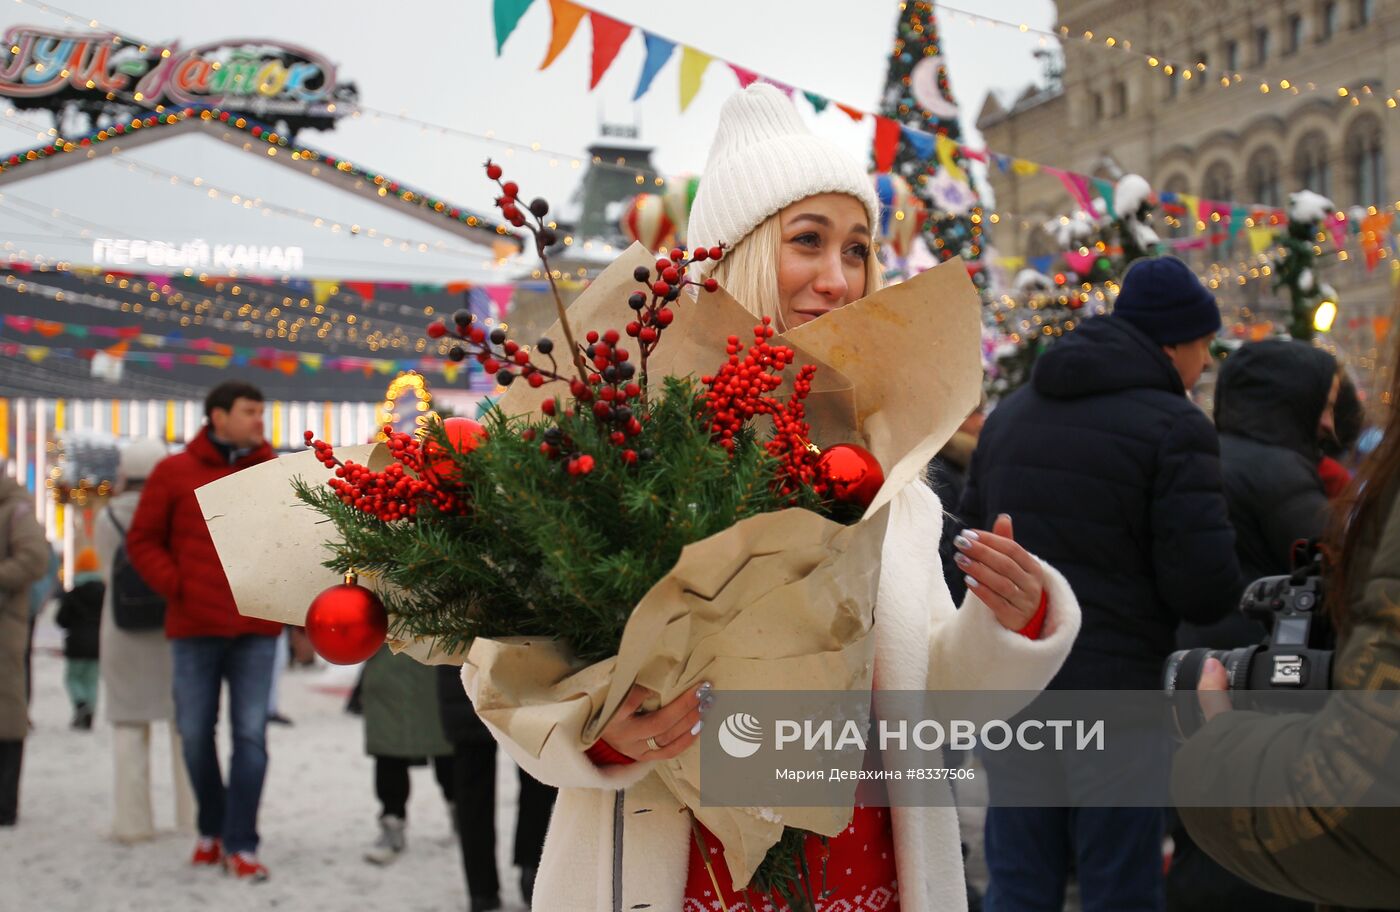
273, 144
1222, 77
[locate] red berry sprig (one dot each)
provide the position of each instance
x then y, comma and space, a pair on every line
405, 485
740, 392
663, 286
496, 352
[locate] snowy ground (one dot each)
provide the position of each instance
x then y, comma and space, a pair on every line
318, 816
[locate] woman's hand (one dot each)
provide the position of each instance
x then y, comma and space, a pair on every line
658, 735
1002, 573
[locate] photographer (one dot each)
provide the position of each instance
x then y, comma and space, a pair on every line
1311, 849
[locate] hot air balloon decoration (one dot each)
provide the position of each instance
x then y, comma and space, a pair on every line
645, 220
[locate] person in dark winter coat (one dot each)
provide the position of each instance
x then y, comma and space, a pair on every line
474, 797
1112, 475
1274, 402
80, 613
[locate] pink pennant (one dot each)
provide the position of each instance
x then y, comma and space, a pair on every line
164, 362
1081, 263
500, 297
20, 324
746, 77
1337, 227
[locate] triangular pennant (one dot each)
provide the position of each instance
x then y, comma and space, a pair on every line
36, 353
745, 76
500, 296
321, 290
693, 66
48, 328
947, 159
817, 102
1023, 168
119, 350
363, 289
658, 52
852, 113
1337, 227
567, 16
1260, 239
1105, 191
919, 141
507, 15
1192, 204
886, 143
608, 35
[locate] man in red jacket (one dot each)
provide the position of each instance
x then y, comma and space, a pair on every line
170, 547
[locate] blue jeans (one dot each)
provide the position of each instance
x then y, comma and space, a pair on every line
1116, 852
201, 664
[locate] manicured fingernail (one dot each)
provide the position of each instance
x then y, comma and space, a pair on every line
962, 560
1004, 516
695, 729
706, 702
971, 583
703, 690
962, 541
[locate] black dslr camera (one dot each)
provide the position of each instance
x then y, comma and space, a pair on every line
1298, 652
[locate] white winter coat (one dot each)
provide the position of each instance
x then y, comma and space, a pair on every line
921, 642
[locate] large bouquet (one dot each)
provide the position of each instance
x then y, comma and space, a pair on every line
636, 512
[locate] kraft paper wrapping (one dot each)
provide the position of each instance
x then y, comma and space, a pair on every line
783, 601
272, 546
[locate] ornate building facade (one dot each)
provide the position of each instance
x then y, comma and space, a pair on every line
1253, 141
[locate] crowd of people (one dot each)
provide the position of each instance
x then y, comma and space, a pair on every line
1094, 521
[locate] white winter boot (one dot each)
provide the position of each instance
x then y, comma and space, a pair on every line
391, 841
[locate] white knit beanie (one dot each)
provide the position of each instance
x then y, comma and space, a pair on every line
136, 459
763, 159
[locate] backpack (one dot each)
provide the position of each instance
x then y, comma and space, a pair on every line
135, 605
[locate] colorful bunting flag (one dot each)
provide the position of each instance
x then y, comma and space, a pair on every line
1337, 227
919, 141
566, 17
1260, 239
321, 290
886, 143
507, 14
658, 52
608, 36
1105, 191
693, 66
1023, 168
852, 113
1192, 205
947, 158
817, 102
746, 77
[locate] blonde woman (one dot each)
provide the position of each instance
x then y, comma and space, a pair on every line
797, 213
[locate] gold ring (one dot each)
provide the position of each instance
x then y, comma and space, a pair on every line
651, 743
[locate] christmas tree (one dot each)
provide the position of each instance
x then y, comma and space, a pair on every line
918, 97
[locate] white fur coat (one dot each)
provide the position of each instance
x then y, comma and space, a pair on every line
921, 642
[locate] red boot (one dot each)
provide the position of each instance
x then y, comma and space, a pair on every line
245, 866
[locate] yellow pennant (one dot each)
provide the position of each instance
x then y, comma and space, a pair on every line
693, 66
947, 152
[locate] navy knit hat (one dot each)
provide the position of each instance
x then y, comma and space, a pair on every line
1162, 297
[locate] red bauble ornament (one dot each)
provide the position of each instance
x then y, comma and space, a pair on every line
464, 435
347, 623
853, 472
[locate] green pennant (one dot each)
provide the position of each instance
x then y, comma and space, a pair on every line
507, 14
1105, 190
818, 102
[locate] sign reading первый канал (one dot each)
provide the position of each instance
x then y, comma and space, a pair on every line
261, 76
